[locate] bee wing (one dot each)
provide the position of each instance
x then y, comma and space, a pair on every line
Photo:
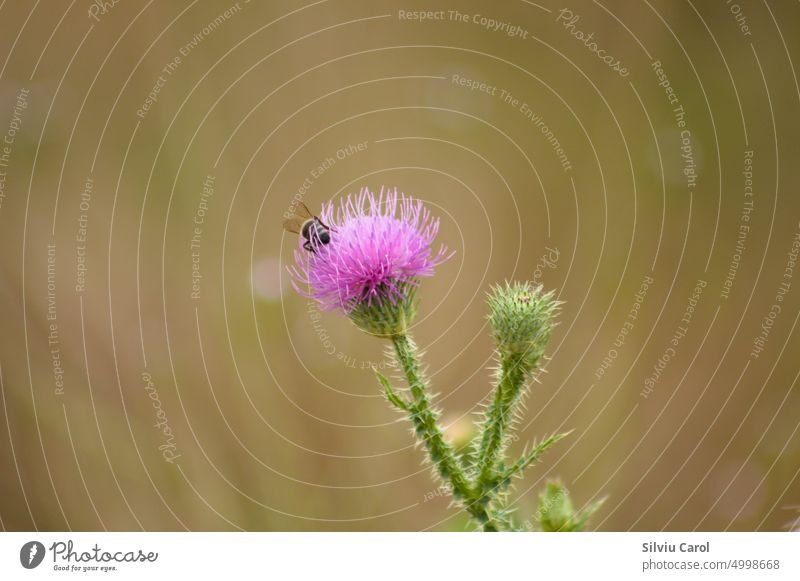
303, 212
294, 224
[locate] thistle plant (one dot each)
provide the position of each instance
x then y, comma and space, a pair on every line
379, 249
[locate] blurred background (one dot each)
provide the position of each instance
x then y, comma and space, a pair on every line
159, 372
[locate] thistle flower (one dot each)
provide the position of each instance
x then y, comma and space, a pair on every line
364, 256
380, 246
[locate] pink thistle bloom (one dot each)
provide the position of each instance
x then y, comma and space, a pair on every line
379, 247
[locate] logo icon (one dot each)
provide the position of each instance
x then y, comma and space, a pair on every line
31, 554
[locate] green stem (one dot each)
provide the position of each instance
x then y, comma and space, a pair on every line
427, 429
498, 419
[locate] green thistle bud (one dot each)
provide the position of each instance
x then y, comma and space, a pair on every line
556, 513
555, 509
387, 317
522, 318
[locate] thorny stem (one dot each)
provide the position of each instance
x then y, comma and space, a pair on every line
498, 418
439, 451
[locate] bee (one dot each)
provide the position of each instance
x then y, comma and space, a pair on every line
309, 226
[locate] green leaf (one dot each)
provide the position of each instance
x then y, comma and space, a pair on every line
529, 457
587, 513
390, 393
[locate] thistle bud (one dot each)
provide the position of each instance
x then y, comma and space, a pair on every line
555, 509
556, 513
522, 319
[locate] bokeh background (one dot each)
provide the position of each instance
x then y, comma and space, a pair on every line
159, 372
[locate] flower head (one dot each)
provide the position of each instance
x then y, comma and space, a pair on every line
380, 246
522, 317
